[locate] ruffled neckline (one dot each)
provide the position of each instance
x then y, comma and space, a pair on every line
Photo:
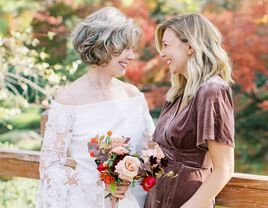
56, 104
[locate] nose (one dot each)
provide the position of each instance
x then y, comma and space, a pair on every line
130, 55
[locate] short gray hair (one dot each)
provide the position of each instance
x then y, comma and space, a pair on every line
104, 33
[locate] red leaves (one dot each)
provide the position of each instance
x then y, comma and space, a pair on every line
134, 71
246, 40
264, 105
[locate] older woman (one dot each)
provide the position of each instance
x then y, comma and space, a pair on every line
196, 125
91, 105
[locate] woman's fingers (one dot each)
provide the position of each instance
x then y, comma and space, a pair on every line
107, 188
123, 188
125, 183
120, 190
118, 195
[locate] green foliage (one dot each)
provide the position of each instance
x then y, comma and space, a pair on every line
25, 75
18, 193
22, 139
28, 119
251, 125
181, 6
172, 7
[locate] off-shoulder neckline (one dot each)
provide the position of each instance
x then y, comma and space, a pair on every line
55, 103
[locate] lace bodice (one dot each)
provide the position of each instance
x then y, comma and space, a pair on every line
68, 130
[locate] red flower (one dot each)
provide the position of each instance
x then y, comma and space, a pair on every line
101, 167
148, 183
92, 154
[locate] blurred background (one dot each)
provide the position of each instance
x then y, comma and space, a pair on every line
37, 58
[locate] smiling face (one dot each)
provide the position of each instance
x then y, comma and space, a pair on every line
117, 65
175, 52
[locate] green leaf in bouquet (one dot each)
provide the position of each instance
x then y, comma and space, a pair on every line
103, 145
114, 156
118, 180
101, 138
136, 154
158, 174
108, 140
110, 163
171, 174
132, 184
113, 187
161, 170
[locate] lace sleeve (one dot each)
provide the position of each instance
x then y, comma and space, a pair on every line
56, 180
149, 125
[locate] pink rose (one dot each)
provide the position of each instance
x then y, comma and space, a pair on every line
120, 150
128, 168
156, 151
120, 141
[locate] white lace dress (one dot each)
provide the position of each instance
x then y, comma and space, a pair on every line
68, 130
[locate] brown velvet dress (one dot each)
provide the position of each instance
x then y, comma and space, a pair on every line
183, 135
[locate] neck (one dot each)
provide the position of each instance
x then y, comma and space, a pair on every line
99, 78
185, 74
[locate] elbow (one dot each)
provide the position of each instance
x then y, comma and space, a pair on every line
229, 169
225, 172
229, 173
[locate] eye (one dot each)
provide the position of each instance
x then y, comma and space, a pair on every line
165, 44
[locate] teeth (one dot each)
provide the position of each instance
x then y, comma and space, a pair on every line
168, 62
124, 65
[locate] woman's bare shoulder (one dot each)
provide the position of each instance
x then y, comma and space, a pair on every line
70, 94
131, 89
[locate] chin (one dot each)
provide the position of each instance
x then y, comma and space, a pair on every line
120, 72
173, 71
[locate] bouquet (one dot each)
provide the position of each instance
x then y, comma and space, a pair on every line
117, 165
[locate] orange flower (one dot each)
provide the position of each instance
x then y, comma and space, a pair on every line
106, 178
92, 154
94, 140
109, 133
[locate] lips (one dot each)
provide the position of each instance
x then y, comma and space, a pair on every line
123, 64
168, 61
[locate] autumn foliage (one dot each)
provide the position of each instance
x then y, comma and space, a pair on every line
246, 39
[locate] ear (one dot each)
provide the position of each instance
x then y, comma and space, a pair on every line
190, 50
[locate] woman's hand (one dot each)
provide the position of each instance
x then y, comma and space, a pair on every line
222, 157
151, 145
189, 204
120, 190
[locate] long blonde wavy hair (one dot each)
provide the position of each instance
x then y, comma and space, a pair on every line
209, 58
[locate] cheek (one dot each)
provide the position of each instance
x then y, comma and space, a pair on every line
114, 64
181, 56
